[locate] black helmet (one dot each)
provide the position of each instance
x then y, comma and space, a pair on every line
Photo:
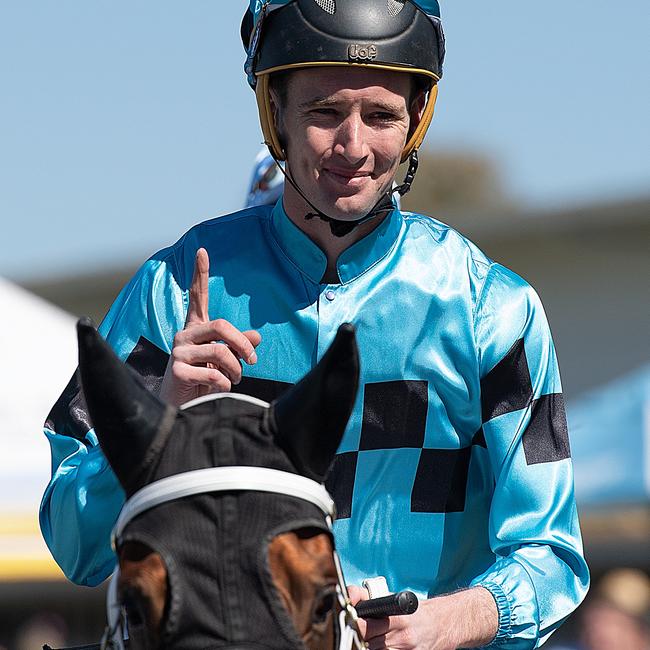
387, 34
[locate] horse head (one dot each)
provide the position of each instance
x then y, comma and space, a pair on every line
235, 568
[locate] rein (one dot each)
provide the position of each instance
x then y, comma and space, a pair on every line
228, 479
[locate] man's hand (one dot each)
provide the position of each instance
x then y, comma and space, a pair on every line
206, 354
465, 619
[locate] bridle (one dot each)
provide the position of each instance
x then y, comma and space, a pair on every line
227, 479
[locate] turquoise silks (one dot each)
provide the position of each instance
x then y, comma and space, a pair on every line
455, 467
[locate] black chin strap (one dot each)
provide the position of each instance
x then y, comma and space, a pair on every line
410, 174
384, 205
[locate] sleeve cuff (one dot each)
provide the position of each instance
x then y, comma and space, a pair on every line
504, 631
514, 594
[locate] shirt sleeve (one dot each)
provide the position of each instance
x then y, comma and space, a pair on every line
540, 575
83, 498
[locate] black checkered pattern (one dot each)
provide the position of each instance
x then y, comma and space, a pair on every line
394, 417
546, 438
264, 389
508, 388
69, 415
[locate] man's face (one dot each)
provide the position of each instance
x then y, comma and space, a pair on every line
344, 130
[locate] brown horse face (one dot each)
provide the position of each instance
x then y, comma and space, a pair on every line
143, 591
302, 570
233, 569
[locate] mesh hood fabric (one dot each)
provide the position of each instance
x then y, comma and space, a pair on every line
215, 546
430, 7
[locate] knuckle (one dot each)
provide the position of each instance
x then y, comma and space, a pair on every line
220, 382
218, 350
178, 372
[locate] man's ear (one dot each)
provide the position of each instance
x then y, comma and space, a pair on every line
275, 105
416, 109
276, 109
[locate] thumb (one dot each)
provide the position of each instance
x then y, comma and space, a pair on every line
197, 311
357, 594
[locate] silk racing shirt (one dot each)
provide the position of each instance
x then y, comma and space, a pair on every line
455, 466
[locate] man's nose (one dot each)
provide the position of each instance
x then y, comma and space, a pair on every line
350, 139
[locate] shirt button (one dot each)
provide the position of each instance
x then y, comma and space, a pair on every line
329, 294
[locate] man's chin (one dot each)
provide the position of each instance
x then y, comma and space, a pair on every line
351, 208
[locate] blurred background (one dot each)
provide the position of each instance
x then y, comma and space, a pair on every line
123, 124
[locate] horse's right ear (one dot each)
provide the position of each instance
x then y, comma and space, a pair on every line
311, 417
126, 416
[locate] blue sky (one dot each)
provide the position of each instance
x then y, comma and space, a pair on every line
124, 123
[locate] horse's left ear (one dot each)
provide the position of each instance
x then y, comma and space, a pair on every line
311, 417
126, 416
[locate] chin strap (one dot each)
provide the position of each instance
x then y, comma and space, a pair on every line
410, 174
384, 205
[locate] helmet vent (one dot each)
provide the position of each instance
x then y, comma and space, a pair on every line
327, 5
395, 6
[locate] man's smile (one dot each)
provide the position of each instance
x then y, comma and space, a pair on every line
346, 177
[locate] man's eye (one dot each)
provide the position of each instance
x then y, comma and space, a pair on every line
383, 116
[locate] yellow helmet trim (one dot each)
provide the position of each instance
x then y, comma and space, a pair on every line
267, 120
417, 136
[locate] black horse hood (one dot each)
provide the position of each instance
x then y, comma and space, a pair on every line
212, 602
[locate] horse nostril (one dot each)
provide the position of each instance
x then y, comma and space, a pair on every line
132, 603
324, 606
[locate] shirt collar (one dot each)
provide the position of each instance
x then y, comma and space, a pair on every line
353, 262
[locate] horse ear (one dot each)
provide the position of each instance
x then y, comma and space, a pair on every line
126, 416
311, 417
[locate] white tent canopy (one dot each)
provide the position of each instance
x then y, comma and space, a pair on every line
38, 354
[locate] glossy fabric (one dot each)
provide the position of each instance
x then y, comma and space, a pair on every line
428, 307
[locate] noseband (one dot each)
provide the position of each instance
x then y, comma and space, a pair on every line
228, 479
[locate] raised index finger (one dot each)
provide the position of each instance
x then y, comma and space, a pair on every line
197, 311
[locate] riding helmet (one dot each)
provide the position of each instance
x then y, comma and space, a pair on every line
396, 35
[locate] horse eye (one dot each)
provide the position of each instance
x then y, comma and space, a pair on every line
324, 606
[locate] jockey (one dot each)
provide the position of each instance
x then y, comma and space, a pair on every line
454, 477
